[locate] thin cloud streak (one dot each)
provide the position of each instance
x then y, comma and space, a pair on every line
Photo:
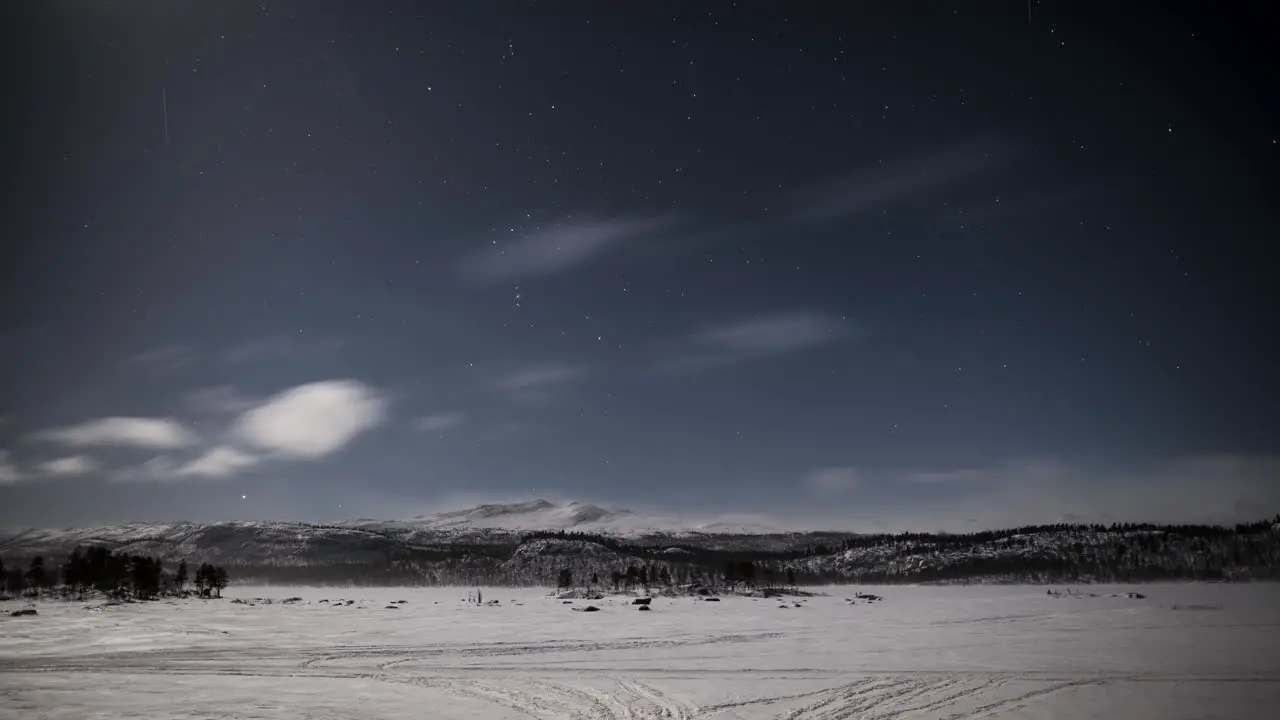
885, 185
218, 462
282, 347
1216, 489
9, 473
67, 466
539, 376
167, 357
558, 249
437, 422
759, 337
833, 480
155, 433
772, 334
219, 399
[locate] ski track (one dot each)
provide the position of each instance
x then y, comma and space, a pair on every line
894, 696
657, 677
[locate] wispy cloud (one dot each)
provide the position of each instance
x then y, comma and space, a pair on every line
437, 422
762, 336
9, 473
558, 249
160, 468
281, 347
71, 465
220, 461
539, 376
772, 334
889, 183
156, 433
219, 399
312, 420
1223, 488
535, 383
833, 480
165, 357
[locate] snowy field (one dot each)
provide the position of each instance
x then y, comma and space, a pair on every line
1186, 651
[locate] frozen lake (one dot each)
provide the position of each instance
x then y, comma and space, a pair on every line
1185, 651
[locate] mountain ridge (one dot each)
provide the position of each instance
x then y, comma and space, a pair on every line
532, 542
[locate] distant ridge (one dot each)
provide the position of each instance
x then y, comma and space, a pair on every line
533, 542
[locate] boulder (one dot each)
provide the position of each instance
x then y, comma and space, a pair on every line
23, 612
391, 607
644, 608
710, 599
642, 601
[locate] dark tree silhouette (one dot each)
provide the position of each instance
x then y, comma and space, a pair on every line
565, 581
73, 575
219, 580
180, 578
37, 578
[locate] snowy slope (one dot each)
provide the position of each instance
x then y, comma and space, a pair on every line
1185, 652
545, 515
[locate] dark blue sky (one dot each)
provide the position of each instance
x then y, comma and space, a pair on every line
864, 265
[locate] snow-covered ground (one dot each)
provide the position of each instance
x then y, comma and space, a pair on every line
1185, 651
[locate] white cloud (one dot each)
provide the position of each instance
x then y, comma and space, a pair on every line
557, 249
72, 465
887, 184
157, 433
833, 480
9, 473
313, 420
441, 421
218, 462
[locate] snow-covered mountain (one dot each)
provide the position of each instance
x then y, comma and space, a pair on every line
291, 543
532, 515
530, 542
546, 515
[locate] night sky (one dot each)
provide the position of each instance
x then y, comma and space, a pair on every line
873, 265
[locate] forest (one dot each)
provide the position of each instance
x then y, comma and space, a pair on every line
117, 575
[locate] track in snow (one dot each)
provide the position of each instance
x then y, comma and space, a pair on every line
685, 661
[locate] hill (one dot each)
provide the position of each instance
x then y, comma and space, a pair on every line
531, 543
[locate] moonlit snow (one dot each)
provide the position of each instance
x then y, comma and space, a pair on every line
1183, 651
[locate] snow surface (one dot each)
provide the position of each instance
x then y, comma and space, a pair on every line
1185, 651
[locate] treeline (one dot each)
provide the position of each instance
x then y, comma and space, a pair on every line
118, 575
989, 536
1122, 552
701, 555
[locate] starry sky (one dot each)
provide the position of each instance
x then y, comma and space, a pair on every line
881, 265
